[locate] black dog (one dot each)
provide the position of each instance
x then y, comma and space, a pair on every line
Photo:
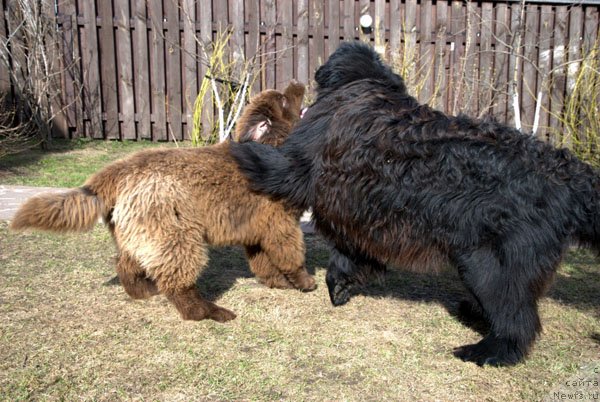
394, 182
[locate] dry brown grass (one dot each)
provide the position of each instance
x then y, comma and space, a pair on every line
65, 334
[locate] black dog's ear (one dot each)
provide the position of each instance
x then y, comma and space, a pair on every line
256, 131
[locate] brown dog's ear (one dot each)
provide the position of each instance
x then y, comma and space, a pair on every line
294, 94
256, 131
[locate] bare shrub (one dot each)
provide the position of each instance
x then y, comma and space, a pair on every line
30, 53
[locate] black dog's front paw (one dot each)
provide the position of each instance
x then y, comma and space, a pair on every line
339, 295
473, 353
490, 351
339, 290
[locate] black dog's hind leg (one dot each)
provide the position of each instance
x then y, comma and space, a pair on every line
508, 302
345, 272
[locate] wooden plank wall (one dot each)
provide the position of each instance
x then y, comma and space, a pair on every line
137, 66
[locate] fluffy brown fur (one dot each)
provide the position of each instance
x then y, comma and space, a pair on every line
164, 207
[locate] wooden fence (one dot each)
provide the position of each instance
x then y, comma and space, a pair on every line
138, 69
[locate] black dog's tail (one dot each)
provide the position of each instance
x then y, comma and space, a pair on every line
270, 172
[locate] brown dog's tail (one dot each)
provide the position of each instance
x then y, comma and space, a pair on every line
74, 210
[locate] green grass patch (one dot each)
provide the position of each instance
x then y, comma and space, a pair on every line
67, 163
69, 333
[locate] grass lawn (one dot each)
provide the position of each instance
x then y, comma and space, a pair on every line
68, 163
67, 332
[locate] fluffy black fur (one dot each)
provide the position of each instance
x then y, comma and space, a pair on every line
394, 182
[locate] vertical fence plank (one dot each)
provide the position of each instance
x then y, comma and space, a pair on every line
285, 65
529, 91
395, 41
190, 82
514, 62
379, 26
280, 48
124, 71
470, 86
318, 42
252, 13
173, 69
333, 26
427, 54
364, 8
222, 29
486, 65
348, 20
5, 87
591, 33
55, 68
559, 77
206, 36
109, 83
590, 40
303, 57
457, 48
544, 65
66, 10
575, 40
440, 101
574, 56
142, 72
91, 75
270, 18
410, 36
236, 43
157, 66
78, 130
500, 89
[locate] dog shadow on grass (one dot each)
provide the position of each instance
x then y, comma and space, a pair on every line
577, 284
225, 266
228, 264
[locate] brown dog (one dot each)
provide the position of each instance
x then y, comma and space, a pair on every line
164, 207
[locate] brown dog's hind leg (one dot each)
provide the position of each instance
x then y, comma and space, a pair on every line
133, 278
192, 306
284, 247
176, 272
265, 271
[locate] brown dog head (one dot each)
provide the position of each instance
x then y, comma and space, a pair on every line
270, 115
